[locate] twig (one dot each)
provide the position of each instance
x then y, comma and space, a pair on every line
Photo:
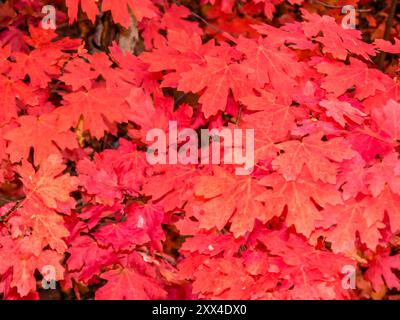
5, 216
67, 24
199, 17
386, 35
332, 6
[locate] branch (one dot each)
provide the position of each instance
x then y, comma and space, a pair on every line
199, 17
386, 35
332, 6
5, 216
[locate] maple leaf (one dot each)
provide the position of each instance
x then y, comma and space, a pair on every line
48, 183
357, 74
383, 173
294, 249
211, 244
300, 197
94, 213
23, 270
388, 119
88, 6
218, 76
213, 256
98, 181
335, 40
47, 226
313, 153
127, 284
135, 281
40, 65
338, 110
142, 225
392, 91
87, 257
380, 271
171, 186
351, 177
302, 266
45, 190
223, 279
149, 219
98, 107
387, 46
175, 18
386, 201
129, 164
45, 133
23, 264
149, 115
181, 51
113, 173
10, 91
350, 218
288, 260
289, 34
78, 73
266, 133
271, 111
277, 66
369, 144
232, 198
140, 9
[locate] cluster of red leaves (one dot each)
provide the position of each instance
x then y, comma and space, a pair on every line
81, 197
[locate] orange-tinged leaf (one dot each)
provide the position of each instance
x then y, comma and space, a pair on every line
46, 135
300, 196
320, 157
229, 199
218, 77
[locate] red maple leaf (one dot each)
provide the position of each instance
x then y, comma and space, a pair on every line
388, 119
380, 271
366, 81
300, 197
341, 111
23, 264
87, 258
99, 108
47, 125
218, 76
335, 39
142, 225
113, 173
171, 186
11, 91
140, 9
232, 198
88, 6
312, 152
270, 64
385, 172
348, 219
133, 281
46, 190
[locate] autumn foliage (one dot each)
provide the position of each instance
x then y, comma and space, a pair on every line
78, 194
